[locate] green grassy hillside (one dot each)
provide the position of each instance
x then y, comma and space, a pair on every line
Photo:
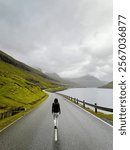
109, 85
20, 85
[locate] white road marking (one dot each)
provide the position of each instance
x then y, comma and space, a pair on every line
55, 130
21, 117
91, 114
11, 124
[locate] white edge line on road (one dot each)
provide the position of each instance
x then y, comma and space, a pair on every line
10, 124
91, 114
21, 117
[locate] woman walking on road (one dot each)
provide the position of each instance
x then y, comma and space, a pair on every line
56, 111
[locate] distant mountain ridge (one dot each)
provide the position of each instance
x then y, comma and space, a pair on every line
63, 81
88, 81
85, 81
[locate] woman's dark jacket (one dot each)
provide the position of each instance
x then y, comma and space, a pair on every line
56, 108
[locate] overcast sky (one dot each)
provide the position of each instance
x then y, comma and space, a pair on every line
70, 37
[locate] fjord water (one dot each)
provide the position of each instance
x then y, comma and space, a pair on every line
103, 97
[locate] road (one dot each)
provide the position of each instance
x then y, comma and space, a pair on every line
78, 130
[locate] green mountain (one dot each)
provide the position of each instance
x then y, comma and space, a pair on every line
21, 85
109, 85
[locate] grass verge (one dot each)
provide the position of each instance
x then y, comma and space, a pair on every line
5, 122
55, 89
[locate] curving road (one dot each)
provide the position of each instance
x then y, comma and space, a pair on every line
78, 130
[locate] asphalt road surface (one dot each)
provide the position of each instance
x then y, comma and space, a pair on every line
77, 130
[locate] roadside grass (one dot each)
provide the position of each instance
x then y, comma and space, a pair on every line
55, 89
5, 122
106, 117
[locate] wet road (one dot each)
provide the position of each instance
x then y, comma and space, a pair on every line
77, 130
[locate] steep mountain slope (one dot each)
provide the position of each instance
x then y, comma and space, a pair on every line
109, 85
21, 85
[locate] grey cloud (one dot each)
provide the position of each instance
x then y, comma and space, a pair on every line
70, 37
